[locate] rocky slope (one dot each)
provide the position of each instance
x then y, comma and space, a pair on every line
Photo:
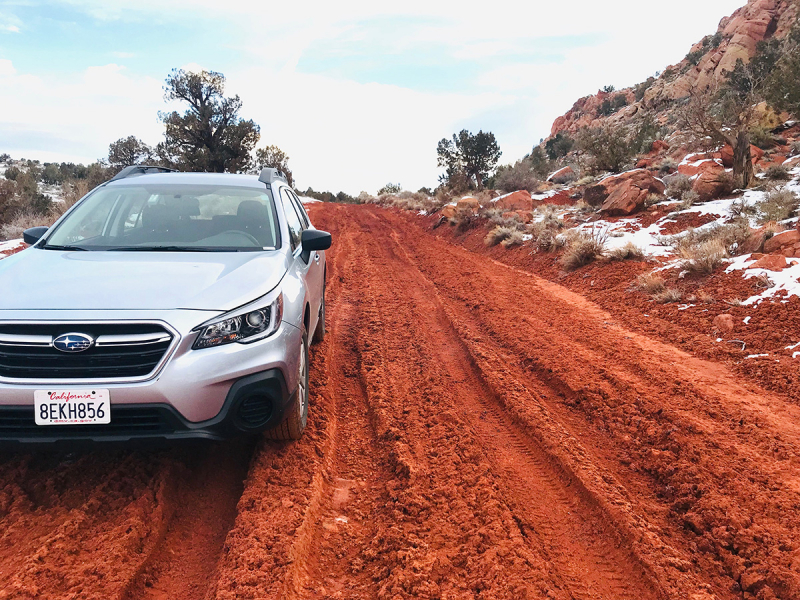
736, 37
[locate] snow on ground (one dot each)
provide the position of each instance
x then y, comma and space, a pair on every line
787, 280
9, 245
307, 200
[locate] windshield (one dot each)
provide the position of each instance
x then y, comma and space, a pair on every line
170, 217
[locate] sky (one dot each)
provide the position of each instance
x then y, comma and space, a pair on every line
357, 93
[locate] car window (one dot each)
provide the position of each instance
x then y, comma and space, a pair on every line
301, 210
292, 220
202, 217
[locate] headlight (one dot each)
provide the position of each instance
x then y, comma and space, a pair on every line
249, 323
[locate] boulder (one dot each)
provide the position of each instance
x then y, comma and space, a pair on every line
726, 155
448, 211
723, 323
712, 181
770, 262
658, 146
468, 203
562, 176
784, 239
520, 200
624, 194
690, 167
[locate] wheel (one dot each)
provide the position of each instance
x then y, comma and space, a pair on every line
319, 332
297, 414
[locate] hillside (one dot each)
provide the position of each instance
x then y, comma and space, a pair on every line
736, 38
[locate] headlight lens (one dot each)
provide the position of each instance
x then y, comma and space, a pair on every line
248, 324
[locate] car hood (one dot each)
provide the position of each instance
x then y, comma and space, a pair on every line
37, 279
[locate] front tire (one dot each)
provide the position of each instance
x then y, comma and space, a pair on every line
294, 423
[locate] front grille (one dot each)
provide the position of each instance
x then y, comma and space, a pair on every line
120, 351
254, 411
19, 422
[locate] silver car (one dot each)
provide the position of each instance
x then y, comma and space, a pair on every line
163, 305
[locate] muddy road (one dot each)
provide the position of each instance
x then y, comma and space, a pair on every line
475, 432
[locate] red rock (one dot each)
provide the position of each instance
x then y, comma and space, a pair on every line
771, 262
562, 176
779, 240
658, 146
520, 200
693, 167
726, 154
788, 252
624, 194
645, 163
468, 203
723, 323
712, 181
448, 211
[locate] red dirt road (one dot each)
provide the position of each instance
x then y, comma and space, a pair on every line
475, 432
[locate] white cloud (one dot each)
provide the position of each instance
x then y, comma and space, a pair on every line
6, 68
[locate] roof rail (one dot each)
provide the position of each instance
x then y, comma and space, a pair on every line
134, 170
270, 174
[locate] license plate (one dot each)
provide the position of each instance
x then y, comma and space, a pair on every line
72, 407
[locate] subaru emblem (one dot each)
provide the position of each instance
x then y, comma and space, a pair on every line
73, 342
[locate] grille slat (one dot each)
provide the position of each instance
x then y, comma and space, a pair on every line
20, 422
98, 362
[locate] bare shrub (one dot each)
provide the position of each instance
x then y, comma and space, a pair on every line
627, 252
583, 248
779, 205
741, 208
677, 185
668, 296
704, 257
515, 239
652, 200
795, 148
650, 283
463, 220
778, 173
498, 234
666, 166
520, 176
22, 221
688, 200
732, 235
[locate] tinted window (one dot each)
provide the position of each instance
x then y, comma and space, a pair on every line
202, 217
292, 220
301, 210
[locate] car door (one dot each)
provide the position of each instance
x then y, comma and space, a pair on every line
302, 267
317, 266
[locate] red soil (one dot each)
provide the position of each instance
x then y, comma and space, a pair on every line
477, 430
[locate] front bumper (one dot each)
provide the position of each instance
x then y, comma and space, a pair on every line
195, 394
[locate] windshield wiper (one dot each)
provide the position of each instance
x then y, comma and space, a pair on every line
161, 249
54, 247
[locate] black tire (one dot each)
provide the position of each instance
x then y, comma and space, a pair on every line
294, 423
319, 332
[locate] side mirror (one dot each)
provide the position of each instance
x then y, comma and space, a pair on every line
311, 240
33, 235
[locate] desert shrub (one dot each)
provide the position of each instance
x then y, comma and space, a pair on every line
668, 296
627, 252
520, 176
689, 199
640, 89
463, 220
13, 229
611, 105
652, 200
498, 234
583, 248
704, 297
390, 188
762, 137
795, 148
583, 207
678, 185
5, 157
732, 236
545, 232
501, 217
740, 208
559, 146
693, 58
779, 205
650, 283
778, 173
586, 180
12, 173
666, 166
609, 147
515, 239
704, 257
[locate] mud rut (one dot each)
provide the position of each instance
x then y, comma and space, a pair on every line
475, 432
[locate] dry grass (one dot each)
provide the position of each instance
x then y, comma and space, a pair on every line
627, 252
704, 297
652, 200
668, 296
22, 221
650, 283
733, 235
515, 239
499, 234
778, 173
584, 248
703, 258
463, 220
779, 205
677, 186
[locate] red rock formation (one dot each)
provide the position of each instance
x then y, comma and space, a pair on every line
624, 194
